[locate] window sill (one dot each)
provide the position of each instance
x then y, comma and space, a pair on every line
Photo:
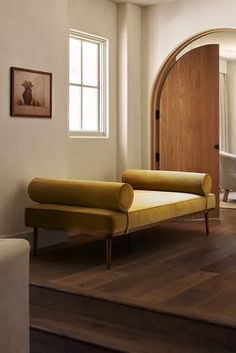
83, 136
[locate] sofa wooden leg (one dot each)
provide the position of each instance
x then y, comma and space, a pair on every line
206, 222
109, 251
226, 195
35, 241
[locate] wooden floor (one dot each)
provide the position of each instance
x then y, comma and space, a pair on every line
174, 268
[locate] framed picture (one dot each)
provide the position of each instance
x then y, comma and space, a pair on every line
31, 93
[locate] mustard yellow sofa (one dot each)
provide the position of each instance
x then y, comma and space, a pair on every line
143, 198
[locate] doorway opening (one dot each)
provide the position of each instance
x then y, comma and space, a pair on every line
216, 36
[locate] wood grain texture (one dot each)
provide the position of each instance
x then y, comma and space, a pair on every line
189, 115
158, 84
101, 324
173, 267
45, 342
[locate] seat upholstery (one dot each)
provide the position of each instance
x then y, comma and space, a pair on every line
150, 207
85, 219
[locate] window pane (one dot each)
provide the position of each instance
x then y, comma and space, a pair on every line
75, 61
90, 64
75, 108
90, 109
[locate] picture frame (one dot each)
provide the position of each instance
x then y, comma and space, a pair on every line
31, 93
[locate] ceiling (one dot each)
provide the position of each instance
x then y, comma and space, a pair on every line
144, 2
226, 40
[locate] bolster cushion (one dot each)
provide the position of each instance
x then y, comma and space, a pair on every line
96, 194
193, 183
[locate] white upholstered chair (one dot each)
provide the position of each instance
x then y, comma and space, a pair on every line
14, 296
227, 173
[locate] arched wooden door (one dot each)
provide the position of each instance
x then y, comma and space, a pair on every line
189, 115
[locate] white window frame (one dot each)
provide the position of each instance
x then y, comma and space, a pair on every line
102, 85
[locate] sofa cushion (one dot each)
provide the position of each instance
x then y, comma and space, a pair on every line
153, 206
97, 194
148, 208
193, 183
63, 217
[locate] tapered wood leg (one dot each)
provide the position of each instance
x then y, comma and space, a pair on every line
109, 251
35, 241
206, 222
226, 195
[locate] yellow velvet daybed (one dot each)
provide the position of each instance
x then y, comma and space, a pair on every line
144, 198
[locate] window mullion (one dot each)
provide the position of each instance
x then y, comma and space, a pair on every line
99, 87
81, 91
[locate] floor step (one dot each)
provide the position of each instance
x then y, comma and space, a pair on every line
70, 333
82, 323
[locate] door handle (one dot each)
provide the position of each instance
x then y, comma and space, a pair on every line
217, 146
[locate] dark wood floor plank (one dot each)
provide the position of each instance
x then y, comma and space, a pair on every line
91, 279
215, 298
222, 264
115, 337
172, 267
155, 275
221, 296
177, 287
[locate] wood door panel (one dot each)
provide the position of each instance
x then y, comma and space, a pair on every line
189, 115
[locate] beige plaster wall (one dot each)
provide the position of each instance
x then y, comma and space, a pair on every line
96, 158
32, 36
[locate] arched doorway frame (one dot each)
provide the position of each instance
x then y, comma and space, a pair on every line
159, 82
